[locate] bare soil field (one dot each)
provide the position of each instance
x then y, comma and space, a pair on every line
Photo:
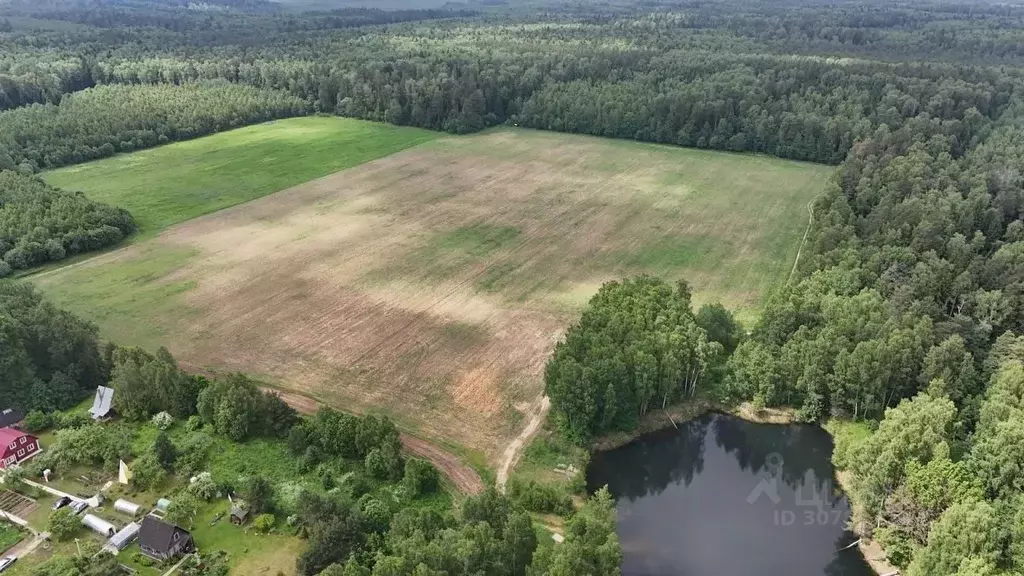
431, 285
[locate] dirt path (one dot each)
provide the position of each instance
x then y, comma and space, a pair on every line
515, 449
810, 221
465, 478
27, 547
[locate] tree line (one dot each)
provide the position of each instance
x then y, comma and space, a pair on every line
105, 120
40, 223
637, 347
590, 75
912, 276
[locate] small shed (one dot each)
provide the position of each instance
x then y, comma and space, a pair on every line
99, 525
162, 504
102, 403
126, 536
126, 507
239, 515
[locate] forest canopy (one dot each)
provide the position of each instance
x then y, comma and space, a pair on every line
102, 121
40, 223
636, 347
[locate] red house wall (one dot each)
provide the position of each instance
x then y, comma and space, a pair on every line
25, 446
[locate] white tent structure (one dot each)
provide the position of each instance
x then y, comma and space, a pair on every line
124, 474
102, 403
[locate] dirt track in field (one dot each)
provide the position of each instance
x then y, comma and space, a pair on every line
432, 285
515, 448
465, 479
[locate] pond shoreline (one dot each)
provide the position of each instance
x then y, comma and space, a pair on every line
673, 416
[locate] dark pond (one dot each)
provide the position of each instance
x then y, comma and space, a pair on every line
722, 496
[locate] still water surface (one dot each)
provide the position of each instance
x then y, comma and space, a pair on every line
720, 496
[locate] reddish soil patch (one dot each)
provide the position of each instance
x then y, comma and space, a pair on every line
466, 479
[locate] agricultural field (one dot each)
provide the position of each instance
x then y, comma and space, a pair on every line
430, 284
174, 183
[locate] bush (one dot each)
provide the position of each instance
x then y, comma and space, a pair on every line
376, 515
62, 421
356, 484
37, 420
193, 423
163, 421
420, 477
165, 451
192, 453
264, 523
259, 494
183, 509
541, 498
13, 477
63, 524
204, 487
384, 463
210, 564
899, 548
147, 472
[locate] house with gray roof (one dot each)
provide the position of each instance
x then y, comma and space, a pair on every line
102, 403
161, 540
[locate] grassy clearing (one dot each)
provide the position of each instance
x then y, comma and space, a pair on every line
130, 297
432, 284
9, 536
847, 432
173, 183
547, 459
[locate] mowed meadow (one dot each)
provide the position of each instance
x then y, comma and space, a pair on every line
176, 182
429, 284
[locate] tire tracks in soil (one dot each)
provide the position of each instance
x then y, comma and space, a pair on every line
515, 448
465, 478
510, 457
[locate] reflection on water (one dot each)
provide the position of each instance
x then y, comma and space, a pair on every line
723, 496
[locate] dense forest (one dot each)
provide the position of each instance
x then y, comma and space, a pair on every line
102, 121
40, 223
